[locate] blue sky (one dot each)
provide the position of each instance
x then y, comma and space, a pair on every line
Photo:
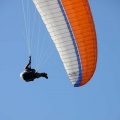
56, 98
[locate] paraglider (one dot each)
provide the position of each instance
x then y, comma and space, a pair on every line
71, 27
30, 74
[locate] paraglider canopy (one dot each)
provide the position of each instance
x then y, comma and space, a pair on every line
71, 28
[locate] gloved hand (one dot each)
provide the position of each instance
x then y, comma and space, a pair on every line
29, 59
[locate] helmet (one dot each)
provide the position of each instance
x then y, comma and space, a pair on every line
22, 75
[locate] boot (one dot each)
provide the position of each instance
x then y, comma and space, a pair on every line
44, 75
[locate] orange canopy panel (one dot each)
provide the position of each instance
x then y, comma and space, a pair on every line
79, 15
